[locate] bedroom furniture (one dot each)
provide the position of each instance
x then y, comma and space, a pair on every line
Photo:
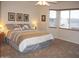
27, 40
2, 37
2, 34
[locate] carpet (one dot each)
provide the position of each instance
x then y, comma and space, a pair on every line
58, 49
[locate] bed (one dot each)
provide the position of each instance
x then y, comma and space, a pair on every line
29, 40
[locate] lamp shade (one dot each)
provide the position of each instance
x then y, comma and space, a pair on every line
34, 24
1, 28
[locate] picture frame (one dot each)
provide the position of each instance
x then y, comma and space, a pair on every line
19, 17
43, 18
26, 17
11, 16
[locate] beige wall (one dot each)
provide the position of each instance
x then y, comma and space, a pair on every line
0, 10
19, 7
43, 11
69, 35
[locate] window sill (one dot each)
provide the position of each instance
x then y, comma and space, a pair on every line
70, 29
52, 27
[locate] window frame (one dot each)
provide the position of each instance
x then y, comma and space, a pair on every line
75, 29
55, 19
66, 19
60, 19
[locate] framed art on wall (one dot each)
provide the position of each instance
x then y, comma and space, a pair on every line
26, 17
11, 16
19, 17
43, 18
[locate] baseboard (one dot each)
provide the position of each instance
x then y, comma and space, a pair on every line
67, 40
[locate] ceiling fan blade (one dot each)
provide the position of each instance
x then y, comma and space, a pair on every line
42, 3
52, 2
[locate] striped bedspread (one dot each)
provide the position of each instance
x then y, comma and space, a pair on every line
19, 36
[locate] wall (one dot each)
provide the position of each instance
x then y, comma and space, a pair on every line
43, 11
65, 5
19, 7
68, 35
0, 10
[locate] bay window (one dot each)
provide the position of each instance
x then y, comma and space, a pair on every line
68, 19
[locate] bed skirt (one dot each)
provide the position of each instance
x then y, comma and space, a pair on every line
38, 46
32, 48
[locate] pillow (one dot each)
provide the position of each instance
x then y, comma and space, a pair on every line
25, 27
10, 26
17, 28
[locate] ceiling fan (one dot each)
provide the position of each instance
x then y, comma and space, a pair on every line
45, 3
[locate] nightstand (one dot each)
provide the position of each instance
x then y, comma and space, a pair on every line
2, 37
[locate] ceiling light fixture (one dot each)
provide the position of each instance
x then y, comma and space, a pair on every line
42, 3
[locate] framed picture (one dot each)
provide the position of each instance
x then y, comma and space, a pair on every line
26, 17
43, 18
11, 16
19, 17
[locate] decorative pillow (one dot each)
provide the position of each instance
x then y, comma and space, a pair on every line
26, 27
17, 28
10, 26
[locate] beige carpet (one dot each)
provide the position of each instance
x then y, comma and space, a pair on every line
59, 48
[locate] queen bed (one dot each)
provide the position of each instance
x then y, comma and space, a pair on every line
29, 40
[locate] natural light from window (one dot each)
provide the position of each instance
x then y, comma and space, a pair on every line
74, 19
52, 18
68, 19
64, 16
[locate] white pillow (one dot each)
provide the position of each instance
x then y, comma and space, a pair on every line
25, 27
17, 29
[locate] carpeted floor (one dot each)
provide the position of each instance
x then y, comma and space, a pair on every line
58, 49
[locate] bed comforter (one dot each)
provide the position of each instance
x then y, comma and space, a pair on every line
20, 40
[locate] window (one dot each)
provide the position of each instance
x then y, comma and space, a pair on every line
69, 19
64, 19
52, 18
74, 19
